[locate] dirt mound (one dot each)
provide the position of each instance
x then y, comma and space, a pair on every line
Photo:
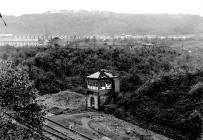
62, 100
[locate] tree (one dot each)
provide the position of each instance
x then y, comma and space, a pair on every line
17, 98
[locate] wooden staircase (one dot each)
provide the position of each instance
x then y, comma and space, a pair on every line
109, 98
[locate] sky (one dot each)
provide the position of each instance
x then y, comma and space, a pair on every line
19, 7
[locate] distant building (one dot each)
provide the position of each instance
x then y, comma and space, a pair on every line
20, 40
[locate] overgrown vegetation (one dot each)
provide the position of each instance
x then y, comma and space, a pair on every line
171, 100
17, 100
56, 69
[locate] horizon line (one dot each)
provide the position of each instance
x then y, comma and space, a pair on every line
55, 11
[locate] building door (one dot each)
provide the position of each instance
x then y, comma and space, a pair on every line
92, 102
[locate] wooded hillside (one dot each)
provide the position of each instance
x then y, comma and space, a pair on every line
170, 103
87, 23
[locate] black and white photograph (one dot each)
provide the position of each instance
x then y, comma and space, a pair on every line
101, 69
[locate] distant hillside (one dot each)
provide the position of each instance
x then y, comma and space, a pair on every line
86, 23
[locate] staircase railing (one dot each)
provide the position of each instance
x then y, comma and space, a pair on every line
110, 96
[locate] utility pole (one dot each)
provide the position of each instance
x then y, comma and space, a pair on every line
3, 20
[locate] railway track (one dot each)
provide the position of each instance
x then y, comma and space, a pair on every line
55, 133
63, 132
56, 130
27, 126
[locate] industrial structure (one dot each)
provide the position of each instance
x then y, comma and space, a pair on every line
102, 89
20, 40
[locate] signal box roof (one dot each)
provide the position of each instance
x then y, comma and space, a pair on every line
102, 74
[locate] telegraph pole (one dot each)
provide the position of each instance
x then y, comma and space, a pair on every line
3, 20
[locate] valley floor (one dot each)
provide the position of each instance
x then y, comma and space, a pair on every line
96, 125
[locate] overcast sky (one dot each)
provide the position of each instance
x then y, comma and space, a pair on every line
18, 7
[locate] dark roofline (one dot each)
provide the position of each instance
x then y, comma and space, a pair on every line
104, 75
102, 78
